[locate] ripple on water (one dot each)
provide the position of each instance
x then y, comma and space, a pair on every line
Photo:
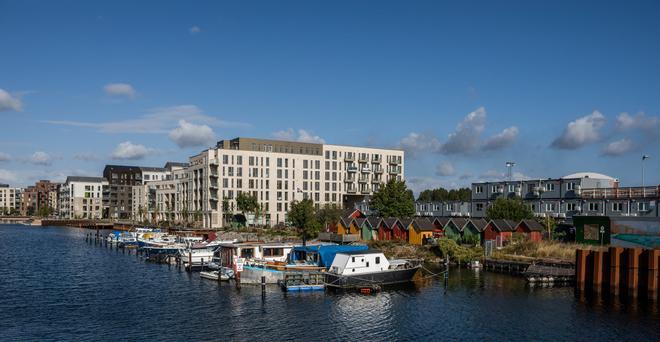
55, 286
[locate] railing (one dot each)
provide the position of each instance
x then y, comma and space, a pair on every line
378, 170
349, 157
352, 169
630, 192
363, 158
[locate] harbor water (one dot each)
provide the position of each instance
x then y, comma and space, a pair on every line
56, 286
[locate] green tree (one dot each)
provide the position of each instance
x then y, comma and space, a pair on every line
303, 217
394, 200
329, 215
45, 211
247, 203
509, 209
442, 194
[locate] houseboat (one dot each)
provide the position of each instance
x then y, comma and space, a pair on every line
368, 269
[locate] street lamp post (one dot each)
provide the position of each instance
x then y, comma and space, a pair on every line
509, 166
644, 157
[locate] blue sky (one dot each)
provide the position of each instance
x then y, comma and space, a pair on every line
558, 87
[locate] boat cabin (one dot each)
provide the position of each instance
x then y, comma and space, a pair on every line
359, 262
320, 255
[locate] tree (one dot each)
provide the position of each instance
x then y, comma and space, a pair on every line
442, 194
394, 200
329, 215
247, 203
509, 209
303, 216
45, 211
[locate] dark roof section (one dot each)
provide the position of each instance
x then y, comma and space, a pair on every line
533, 225
374, 221
360, 221
84, 179
406, 222
441, 221
352, 212
362, 252
459, 222
504, 225
480, 224
152, 169
423, 225
390, 222
346, 221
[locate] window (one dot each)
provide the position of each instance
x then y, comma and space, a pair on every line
549, 207
550, 187
480, 206
511, 188
352, 259
377, 260
593, 206
617, 206
570, 186
643, 206
571, 207
478, 189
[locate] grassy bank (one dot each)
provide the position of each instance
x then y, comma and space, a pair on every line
429, 253
541, 250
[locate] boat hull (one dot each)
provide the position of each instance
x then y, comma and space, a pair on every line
389, 277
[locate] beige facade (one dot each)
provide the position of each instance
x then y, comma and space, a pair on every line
81, 198
279, 172
9, 199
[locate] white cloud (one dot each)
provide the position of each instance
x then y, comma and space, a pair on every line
300, 135
445, 168
85, 157
9, 102
466, 137
4, 157
417, 143
188, 134
625, 121
158, 120
617, 148
493, 175
129, 151
195, 30
501, 140
581, 132
120, 90
41, 158
7, 176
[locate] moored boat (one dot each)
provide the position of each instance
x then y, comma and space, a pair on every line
368, 269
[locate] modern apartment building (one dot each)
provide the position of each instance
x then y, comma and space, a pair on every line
279, 172
41, 195
443, 208
10, 199
118, 195
165, 199
584, 193
82, 197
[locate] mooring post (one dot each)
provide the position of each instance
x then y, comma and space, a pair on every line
263, 285
615, 254
633, 270
652, 280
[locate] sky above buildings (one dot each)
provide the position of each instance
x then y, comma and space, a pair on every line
558, 87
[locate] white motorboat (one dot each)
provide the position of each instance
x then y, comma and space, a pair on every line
222, 274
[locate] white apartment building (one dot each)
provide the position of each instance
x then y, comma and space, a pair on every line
10, 199
81, 198
279, 172
164, 197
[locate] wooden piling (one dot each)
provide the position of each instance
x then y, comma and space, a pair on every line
653, 262
598, 270
633, 255
616, 269
581, 268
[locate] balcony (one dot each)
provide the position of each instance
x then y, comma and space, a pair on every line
213, 162
351, 190
365, 190
376, 180
349, 179
349, 157
213, 186
395, 170
376, 159
378, 170
394, 160
630, 192
364, 180
213, 174
363, 158
352, 169
365, 169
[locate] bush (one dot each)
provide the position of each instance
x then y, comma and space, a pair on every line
457, 253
